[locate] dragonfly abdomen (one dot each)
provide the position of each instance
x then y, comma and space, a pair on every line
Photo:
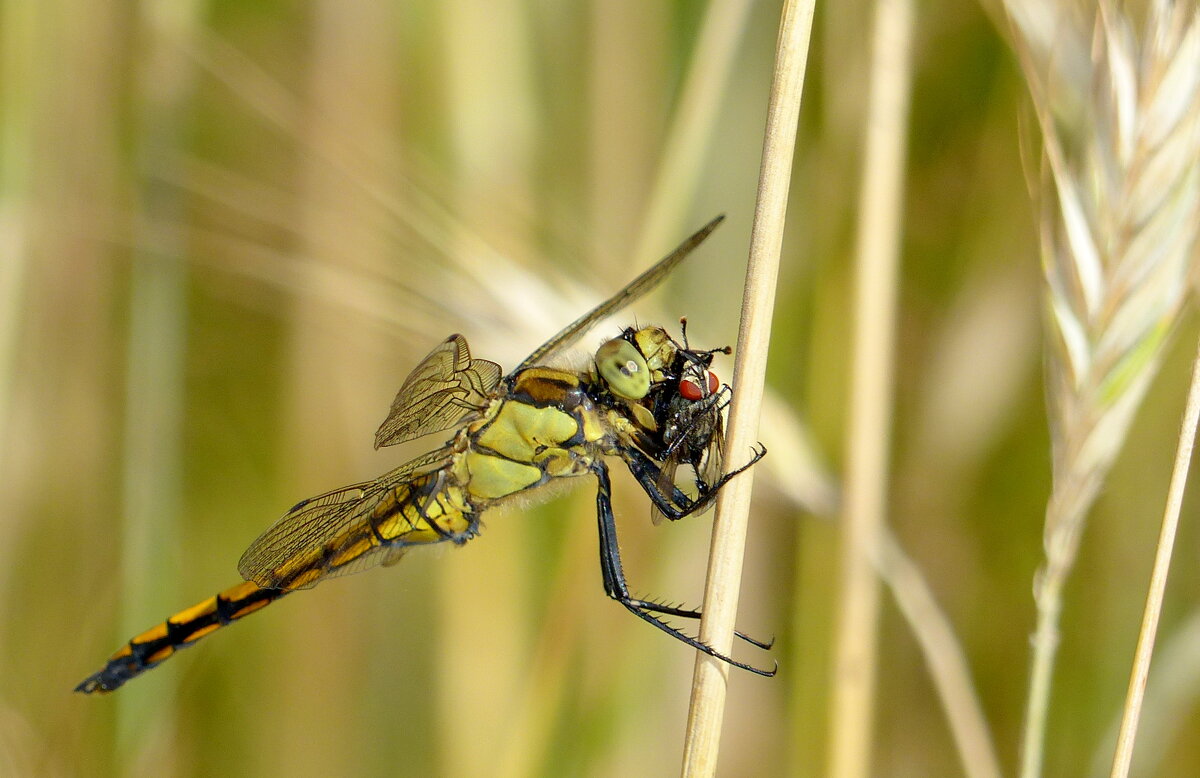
425, 510
181, 630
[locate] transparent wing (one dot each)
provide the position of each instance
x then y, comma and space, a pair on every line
298, 540
439, 393
712, 464
665, 484
632, 291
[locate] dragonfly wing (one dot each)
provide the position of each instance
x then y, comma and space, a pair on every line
286, 545
446, 387
318, 537
634, 290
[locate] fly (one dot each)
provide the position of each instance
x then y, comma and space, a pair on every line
646, 399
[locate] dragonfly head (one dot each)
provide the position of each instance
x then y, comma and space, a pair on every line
636, 362
648, 361
623, 369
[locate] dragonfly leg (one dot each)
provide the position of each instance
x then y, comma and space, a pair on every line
616, 587
674, 506
428, 496
687, 613
678, 505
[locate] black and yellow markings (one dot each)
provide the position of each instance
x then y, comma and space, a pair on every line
544, 386
428, 510
591, 427
180, 630
657, 347
397, 520
443, 508
347, 554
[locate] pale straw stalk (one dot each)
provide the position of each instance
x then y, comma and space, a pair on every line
702, 738
1158, 581
869, 430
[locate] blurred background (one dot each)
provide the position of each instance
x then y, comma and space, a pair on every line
229, 229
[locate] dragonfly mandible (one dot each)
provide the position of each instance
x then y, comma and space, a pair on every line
646, 399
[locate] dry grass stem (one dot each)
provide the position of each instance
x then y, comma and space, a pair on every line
1120, 189
702, 739
1158, 581
944, 655
152, 455
693, 123
1169, 699
868, 435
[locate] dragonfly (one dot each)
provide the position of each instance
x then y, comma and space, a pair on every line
645, 399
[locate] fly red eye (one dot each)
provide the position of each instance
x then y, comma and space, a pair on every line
689, 390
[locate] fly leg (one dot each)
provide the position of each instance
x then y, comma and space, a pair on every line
678, 505
616, 587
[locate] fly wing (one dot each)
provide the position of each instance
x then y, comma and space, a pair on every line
665, 484
632, 291
712, 467
296, 547
710, 464
439, 393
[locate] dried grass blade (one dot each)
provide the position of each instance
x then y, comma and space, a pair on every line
702, 738
1158, 580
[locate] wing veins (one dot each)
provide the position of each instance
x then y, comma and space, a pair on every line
314, 523
632, 291
439, 393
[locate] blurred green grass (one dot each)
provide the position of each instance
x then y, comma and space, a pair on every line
326, 176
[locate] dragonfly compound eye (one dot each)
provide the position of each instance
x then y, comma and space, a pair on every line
624, 369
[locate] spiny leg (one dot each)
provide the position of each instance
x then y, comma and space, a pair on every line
678, 505
646, 471
687, 613
616, 587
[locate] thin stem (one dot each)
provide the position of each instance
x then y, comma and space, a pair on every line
943, 654
871, 410
1158, 579
702, 739
693, 123
151, 463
